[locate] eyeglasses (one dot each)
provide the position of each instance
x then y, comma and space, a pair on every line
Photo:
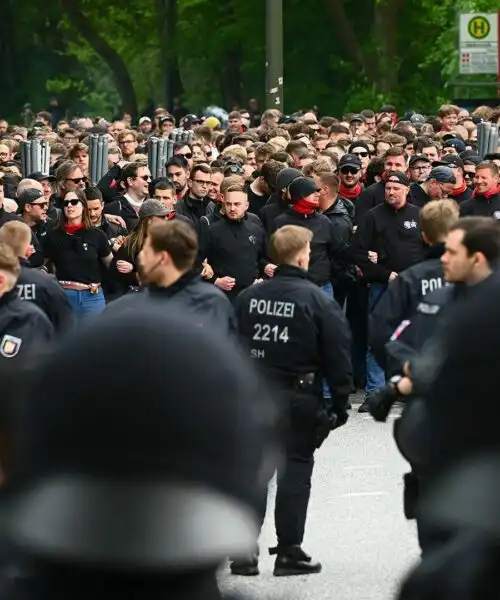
361, 154
201, 182
145, 177
73, 202
76, 179
127, 142
187, 155
349, 170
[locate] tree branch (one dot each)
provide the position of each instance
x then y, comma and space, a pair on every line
108, 54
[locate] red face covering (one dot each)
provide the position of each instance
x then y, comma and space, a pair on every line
305, 207
73, 228
351, 193
460, 190
488, 194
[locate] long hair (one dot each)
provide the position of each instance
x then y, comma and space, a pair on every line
80, 194
135, 240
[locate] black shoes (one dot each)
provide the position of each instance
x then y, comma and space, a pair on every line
247, 566
292, 560
363, 408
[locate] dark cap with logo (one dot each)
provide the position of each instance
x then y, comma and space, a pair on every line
397, 177
449, 160
301, 188
189, 120
163, 471
442, 175
455, 143
350, 160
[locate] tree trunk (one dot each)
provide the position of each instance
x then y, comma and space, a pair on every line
167, 24
385, 26
116, 64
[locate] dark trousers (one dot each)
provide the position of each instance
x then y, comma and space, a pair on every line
294, 476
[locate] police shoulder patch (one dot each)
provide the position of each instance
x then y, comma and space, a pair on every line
428, 309
10, 345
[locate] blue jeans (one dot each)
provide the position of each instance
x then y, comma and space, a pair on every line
84, 303
375, 376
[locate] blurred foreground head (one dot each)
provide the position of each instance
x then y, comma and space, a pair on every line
145, 444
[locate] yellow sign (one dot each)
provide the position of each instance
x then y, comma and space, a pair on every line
479, 28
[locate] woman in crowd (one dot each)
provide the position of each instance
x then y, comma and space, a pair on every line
123, 268
76, 250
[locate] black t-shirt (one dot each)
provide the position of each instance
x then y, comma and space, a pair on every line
76, 257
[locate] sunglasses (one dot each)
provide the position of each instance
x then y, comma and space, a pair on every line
41, 204
188, 155
76, 179
361, 154
349, 170
73, 202
145, 177
468, 175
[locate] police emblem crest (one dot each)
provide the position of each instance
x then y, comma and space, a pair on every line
10, 345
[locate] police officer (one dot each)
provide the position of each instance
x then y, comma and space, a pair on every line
299, 336
36, 285
405, 293
22, 324
166, 269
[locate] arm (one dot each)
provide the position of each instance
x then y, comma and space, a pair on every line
335, 350
57, 308
365, 239
391, 309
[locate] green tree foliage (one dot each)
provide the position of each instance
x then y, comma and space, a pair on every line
104, 56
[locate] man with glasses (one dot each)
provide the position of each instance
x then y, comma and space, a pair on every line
439, 184
361, 150
184, 150
419, 168
33, 210
127, 142
136, 178
194, 204
350, 173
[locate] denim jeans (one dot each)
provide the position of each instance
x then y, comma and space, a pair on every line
375, 376
84, 303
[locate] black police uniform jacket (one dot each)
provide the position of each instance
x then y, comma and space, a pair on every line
323, 245
45, 291
292, 328
22, 327
402, 297
36, 259
481, 205
203, 302
234, 248
394, 234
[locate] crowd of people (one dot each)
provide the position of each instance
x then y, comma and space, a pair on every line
395, 207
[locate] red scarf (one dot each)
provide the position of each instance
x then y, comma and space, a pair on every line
171, 215
71, 229
460, 190
351, 193
488, 194
304, 207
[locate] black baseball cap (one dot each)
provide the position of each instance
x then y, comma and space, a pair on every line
189, 120
286, 176
419, 158
453, 160
39, 176
455, 143
301, 188
359, 118
164, 470
442, 175
350, 160
397, 177
28, 196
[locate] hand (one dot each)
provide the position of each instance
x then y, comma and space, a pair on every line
405, 386
373, 256
225, 283
116, 220
124, 267
257, 281
31, 250
269, 270
118, 243
393, 276
207, 271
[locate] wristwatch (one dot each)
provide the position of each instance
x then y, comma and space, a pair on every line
394, 381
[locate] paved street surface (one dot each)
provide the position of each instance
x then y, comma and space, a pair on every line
355, 524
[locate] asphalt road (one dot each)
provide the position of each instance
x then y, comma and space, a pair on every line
355, 523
